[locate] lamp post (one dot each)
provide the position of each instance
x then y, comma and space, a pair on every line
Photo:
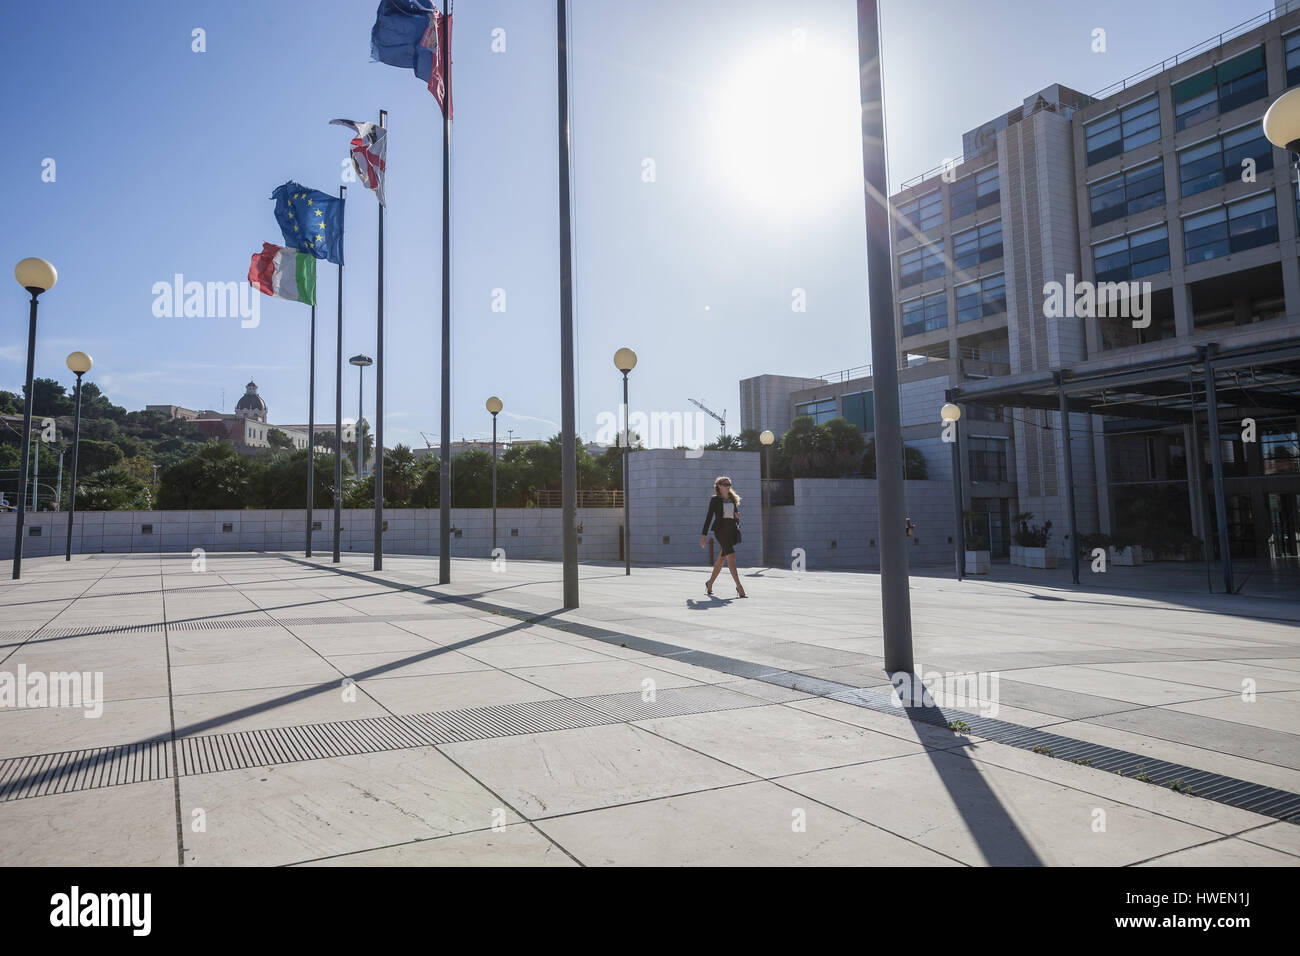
767, 439
494, 406
36, 276
1282, 124
951, 415
79, 363
625, 361
361, 362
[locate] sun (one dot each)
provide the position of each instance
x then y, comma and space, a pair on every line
789, 128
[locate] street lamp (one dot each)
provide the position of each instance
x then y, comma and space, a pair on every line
1282, 124
767, 439
625, 361
36, 276
951, 415
79, 363
361, 362
494, 406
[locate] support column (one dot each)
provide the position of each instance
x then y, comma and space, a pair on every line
1216, 465
1068, 454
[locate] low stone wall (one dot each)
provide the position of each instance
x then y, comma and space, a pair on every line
836, 521
523, 532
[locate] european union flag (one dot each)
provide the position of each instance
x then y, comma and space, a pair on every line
311, 221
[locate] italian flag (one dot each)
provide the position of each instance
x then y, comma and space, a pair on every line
284, 273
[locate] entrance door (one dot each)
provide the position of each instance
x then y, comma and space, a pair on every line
1284, 523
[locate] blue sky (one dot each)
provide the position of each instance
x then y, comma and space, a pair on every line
164, 159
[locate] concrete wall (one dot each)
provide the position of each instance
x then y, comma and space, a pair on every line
522, 532
836, 521
669, 494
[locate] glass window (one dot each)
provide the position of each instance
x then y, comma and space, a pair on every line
975, 300
1292, 45
1130, 257
975, 192
1280, 446
1205, 235
1223, 159
925, 314
981, 244
1232, 228
920, 265
988, 459
822, 410
1220, 89
1252, 222
921, 214
1131, 191
1135, 125
860, 409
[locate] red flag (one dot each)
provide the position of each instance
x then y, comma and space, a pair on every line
437, 40
369, 154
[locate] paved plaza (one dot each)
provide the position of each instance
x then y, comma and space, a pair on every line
273, 710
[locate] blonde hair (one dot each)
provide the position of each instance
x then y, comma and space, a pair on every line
735, 498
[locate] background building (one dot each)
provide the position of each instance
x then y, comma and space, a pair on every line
1165, 178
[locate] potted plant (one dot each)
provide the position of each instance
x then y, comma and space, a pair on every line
1032, 541
1020, 523
1124, 553
977, 545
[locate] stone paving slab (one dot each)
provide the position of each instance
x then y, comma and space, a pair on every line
649, 726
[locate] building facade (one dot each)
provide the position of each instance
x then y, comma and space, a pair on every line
1133, 255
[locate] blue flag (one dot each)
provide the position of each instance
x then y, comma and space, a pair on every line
310, 220
414, 35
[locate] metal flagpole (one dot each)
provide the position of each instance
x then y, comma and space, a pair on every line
896, 605
311, 429
72, 488
568, 441
444, 458
379, 396
338, 413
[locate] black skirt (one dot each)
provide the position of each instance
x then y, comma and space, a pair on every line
727, 534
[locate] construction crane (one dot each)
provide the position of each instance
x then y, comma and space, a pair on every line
428, 443
720, 419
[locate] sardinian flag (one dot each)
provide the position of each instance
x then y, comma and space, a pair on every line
437, 40
369, 149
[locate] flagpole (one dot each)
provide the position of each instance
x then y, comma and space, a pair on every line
311, 428
338, 410
568, 443
379, 395
444, 459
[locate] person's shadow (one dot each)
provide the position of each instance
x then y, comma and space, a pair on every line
713, 601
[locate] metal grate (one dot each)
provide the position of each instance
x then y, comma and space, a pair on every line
45, 774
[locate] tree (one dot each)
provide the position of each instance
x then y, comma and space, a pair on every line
112, 489
915, 467
284, 481
215, 478
278, 439
51, 399
97, 456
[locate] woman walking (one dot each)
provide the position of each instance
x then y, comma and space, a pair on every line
724, 515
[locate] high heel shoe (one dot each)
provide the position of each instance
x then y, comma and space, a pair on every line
740, 592
708, 589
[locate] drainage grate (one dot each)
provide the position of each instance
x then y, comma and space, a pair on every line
1257, 798
44, 774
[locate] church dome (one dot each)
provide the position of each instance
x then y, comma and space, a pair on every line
251, 401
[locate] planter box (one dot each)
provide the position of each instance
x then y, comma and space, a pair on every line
1038, 558
1130, 557
977, 562
1017, 555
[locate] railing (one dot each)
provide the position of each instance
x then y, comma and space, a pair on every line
1154, 70
1191, 52
587, 498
